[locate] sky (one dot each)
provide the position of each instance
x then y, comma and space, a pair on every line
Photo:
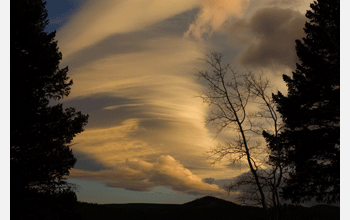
133, 65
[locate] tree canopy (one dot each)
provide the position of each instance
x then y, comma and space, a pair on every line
311, 109
41, 133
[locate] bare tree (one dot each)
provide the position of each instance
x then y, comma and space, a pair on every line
241, 104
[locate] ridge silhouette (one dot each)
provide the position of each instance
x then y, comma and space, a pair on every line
207, 207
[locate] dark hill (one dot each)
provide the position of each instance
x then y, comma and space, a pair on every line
208, 202
213, 208
204, 208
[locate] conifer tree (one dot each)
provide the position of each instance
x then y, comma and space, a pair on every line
311, 109
41, 133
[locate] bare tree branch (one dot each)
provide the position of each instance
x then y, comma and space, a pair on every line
231, 96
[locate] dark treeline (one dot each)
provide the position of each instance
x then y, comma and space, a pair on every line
40, 133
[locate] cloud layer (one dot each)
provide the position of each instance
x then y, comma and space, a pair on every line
148, 101
132, 63
139, 175
99, 19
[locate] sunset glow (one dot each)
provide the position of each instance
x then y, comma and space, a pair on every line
133, 64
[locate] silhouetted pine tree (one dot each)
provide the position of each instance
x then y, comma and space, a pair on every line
311, 110
40, 133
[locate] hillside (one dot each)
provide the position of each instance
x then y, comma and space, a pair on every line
204, 208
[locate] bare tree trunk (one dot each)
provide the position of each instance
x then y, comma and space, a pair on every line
230, 98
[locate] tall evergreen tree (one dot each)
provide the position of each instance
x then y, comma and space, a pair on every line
311, 110
41, 133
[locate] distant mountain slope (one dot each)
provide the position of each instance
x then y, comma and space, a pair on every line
210, 201
213, 208
204, 208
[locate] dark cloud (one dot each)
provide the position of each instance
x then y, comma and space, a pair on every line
223, 183
86, 163
208, 180
270, 35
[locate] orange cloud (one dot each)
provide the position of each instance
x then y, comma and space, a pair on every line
98, 20
139, 175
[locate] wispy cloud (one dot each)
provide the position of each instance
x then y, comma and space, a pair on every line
163, 89
99, 19
122, 106
109, 146
168, 63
